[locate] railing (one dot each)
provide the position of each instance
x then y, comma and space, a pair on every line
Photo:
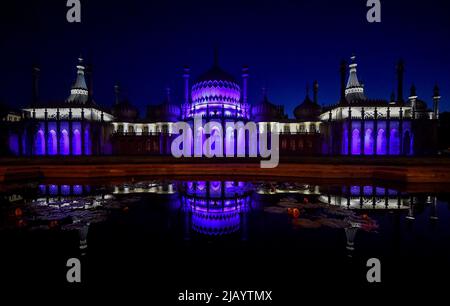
119, 133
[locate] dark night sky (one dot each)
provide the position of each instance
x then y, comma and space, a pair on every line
144, 45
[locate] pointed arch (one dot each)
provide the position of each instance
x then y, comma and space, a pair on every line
368, 142
39, 143
356, 142
381, 142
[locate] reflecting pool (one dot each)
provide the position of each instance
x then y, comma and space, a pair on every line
224, 234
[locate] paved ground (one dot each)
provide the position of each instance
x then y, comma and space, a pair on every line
395, 169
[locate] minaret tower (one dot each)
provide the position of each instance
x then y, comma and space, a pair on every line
400, 71
244, 104
186, 103
315, 92
436, 99
117, 93
354, 90
412, 100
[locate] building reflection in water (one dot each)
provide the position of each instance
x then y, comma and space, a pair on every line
217, 208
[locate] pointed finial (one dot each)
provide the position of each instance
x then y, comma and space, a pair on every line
392, 96
307, 89
117, 92
80, 65
264, 92
400, 65
413, 91
80, 59
315, 91
436, 90
216, 56
167, 94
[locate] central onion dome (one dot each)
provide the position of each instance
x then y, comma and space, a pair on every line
216, 93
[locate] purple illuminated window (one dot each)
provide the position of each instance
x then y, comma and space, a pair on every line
345, 141
356, 142
14, 143
39, 143
368, 142
52, 143
64, 143
394, 145
381, 142
76, 142
87, 142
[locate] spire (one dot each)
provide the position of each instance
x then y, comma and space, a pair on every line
392, 97
79, 91
315, 91
413, 92
117, 93
436, 91
90, 82
216, 56
436, 99
264, 93
354, 90
167, 99
400, 68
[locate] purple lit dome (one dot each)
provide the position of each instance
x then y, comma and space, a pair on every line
308, 110
216, 93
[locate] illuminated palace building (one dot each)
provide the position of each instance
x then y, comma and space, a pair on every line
355, 125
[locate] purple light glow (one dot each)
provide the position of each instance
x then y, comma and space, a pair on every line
345, 141
381, 142
39, 143
76, 142
14, 143
65, 190
87, 141
52, 143
356, 142
64, 143
77, 189
394, 145
368, 142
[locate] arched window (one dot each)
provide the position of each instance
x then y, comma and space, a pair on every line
64, 143
356, 142
344, 149
368, 142
52, 143
87, 141
394, 145
76, 142
39, 143
381, 142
